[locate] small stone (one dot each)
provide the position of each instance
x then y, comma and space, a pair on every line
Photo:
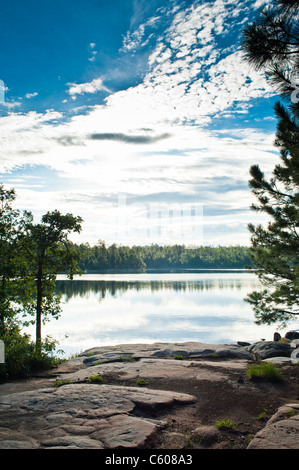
207, 434
276, 337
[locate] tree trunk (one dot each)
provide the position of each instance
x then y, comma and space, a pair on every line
39, 309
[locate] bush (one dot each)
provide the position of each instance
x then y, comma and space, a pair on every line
21, 359
264, 371
142, 382
95, 379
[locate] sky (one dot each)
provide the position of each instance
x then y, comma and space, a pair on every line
142, 117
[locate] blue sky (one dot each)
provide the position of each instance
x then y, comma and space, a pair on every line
140, 116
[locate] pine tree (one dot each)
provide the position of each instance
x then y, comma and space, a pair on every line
272, 44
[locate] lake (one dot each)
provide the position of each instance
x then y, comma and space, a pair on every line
109, 309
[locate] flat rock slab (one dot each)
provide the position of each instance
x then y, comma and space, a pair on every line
281, 431
81, 416
159, 369
187, 350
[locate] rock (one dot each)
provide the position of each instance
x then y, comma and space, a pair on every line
295, 356
276, 337
266, 349
221, 351
292, 334
82, 416
281, 431
71, 442
278, 360
243, 343
176, 440
207, 434
161, 369
163, 350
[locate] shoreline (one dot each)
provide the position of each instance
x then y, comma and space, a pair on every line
163, 271
156, 396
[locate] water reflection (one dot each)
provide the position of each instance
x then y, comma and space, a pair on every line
111, 309
83, 288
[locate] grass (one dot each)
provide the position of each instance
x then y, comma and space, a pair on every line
95, 379
129, 358
264, 371
225, 424
59, 382
263, 415
192, 439
142, 382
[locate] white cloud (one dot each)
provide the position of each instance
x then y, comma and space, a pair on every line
93, 52
189, 81
31, 95
89, 87
10, 104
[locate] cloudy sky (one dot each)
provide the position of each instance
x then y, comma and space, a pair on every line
140, 116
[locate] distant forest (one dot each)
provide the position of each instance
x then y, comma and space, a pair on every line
100, 257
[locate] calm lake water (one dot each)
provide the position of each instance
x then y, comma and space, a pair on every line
109, 309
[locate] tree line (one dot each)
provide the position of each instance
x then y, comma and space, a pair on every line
32, 254
141, 258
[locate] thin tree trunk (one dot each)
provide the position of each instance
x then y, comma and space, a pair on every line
39, 309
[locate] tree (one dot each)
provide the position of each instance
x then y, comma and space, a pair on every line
13, 287
272, 44
49, 251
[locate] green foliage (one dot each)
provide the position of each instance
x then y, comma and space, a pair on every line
140, 258
14, 288
129, 358
225, 424
264, 371
21, 359
271, 43
263, 416
142, 382
31, 256
99, 257
48, 252
95, 379
61, 382
192, 439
